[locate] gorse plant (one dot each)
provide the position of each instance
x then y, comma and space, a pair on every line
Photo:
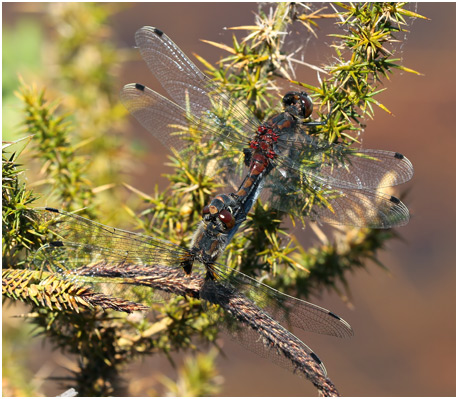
64, 171
70, 315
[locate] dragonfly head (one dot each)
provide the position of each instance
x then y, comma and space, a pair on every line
298, 103
219, 212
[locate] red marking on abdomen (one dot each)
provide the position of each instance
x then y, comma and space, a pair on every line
258, 163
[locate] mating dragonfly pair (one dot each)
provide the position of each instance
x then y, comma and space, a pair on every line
284, 165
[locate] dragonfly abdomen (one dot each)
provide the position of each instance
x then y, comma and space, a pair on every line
260, 166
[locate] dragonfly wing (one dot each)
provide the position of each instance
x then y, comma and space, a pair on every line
174, 70
161, 117
334, 205
170, 123
366, 168
185, 83
120, 244
257, 331
340, 165
105, 270
283, 307
361, 208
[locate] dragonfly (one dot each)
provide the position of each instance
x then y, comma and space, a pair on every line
109, 259
286, 165
274, 156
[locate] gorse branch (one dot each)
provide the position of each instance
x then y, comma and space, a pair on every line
362, 58
15, 198
65, 171
49, 290
86, 65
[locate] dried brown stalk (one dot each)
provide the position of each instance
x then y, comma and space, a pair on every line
278, 341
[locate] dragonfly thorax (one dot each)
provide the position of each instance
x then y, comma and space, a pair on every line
264, 141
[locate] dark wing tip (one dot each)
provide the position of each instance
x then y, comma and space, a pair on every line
316, 358
395, 200
319, 362
52, 210
148, 33
56, 243
348, 332
407, 166
398, 214
140, 87
158, 32
148, 30
334, 315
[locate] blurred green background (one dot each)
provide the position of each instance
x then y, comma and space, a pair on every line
404, 322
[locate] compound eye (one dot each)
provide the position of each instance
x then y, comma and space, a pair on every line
227, 219
289, 98
205, 211
306, 105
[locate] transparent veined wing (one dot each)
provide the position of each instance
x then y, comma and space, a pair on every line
170, 123
185, 83
341, 165
125, 246
340, 206
282, 307
256, 330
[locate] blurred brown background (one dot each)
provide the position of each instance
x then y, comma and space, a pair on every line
404, 322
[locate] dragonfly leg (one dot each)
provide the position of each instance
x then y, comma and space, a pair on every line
247, 156
187, 266
211, 275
